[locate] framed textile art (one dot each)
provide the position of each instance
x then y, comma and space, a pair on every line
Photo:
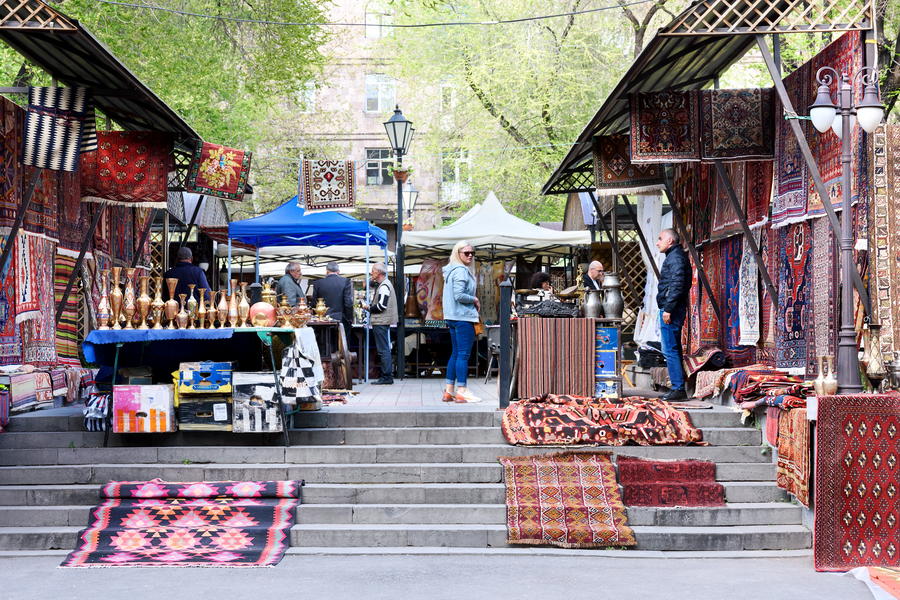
219, 171
128, 167
328, 185
665, 127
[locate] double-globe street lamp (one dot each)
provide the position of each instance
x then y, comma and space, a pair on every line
400, 133
825, 114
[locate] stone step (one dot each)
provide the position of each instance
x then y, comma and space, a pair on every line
772, 513
743, 537
44, 516
49, 495
347, 417
39, 538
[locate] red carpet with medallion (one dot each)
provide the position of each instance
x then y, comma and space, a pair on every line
189, 524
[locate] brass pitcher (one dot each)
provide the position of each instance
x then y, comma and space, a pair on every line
244, 306
182, 317
830, 385
233, 305
268, 294
144, 301
171, 303
103, 314
201, 310
222, 308
321, 309
129, 304
191, 305
301, 314
115, 297
211, 312
158, 306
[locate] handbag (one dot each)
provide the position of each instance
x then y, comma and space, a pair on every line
479, 327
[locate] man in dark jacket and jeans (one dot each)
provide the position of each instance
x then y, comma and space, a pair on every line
672, 298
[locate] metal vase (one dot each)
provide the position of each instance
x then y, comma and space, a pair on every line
613, 302
593, 304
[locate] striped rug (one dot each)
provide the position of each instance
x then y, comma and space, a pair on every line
67, 328
556, 356
53, 127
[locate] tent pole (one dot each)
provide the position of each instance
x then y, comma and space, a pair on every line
366, 324
229, 266
256, 274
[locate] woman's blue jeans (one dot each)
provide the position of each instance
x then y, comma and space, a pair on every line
462, 334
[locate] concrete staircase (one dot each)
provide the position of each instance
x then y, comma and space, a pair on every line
384, 480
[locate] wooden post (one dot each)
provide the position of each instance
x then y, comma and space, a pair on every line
810, 163
80, 261
748, 235
640, 233
20, 218
505, 367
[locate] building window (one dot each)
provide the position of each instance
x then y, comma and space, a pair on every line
378, 21
380, 93
306, 98
377, 162
456, 176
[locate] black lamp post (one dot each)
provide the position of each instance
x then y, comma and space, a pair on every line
400, 132
869, 113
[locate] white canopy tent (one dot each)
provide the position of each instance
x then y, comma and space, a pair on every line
489, 228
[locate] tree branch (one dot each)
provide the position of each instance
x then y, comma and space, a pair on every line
890, 58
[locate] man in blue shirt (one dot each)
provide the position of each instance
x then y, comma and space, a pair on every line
187, 273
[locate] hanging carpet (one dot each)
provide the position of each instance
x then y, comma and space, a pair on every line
554, 420
218, 171
669, 482
39, 332
329, 185
67, 328
710, 328
886, 234
10, 342
730, 302
614, 172
665, 127
794, 454
74, 218
793, 320
11, 126
737, 124
725, 221
53, 127
857, 500
189, 524
790, 196
128, 167
748, 296
569, 499
825, 288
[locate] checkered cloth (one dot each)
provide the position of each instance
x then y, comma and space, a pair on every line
298, 379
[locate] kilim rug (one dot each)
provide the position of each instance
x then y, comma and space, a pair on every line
10, 342
569, 499
825, 287
570, 421
53, 127
41, 218
26, 257
758, 191
845, 54
725, 221
128, 167
555, 356
669, 482
219, 171
39, 333
665, 127
755, 381
748, 296
189, 524
75, 217
615, 174
789, 199
710, 329
857, 500
11, 125
737, 124
328, 185
772, 415
794, 454
730, 301
886, 234
793, 321
67, 327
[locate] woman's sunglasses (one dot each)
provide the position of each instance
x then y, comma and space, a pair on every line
471, 253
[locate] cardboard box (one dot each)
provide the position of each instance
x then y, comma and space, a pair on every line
143, 409
205, 377
204, 413
255, 404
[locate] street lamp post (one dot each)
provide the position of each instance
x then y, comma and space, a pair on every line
869, 113
400, 132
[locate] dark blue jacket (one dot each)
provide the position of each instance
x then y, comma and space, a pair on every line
187, 273
337, 292
674, 282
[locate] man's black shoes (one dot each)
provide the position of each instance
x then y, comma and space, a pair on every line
383, 381
675, 396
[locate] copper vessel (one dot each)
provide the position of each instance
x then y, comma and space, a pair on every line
171, 303
103, 314
143, 302
222, 308
233, 305
191, 306
115, 298
157, 306
243, 306
283, 314
201, 310
211, 312
321, 310
268, 294
129, 303
182, 317
301, 314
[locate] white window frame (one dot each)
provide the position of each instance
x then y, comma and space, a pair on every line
383, 90
377, 16
379, 164
458, 187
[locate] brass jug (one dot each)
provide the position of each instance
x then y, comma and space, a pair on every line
211, 312
115, 298
222, 308
321, 310
171, 303
182, 317
191, 306
233, 305
144, 301
243, 306
201, 310
103, 314
830, 385
268, 294
129, 304
158, 306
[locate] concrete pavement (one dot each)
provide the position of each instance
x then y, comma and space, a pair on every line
440, 577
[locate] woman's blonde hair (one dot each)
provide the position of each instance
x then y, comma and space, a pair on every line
455, 258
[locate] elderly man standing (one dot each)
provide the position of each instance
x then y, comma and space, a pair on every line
337, 292
672, 298
291, 286
592, 280
383, 311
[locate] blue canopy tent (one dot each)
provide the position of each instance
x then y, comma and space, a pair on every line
290, 225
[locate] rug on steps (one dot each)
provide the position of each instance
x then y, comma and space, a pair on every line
857, 490
188, 524
553, 420
566, 499
669, 482
794, 454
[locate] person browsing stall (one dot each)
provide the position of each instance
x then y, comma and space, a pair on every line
291, 285
672, 298
540, 281
383, 311
461, 308
187, 273
337, 292
592, 280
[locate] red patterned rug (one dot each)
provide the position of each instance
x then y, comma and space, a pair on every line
665, 127
669, 482
569, 499
219, 171
189, 524
857, 486
793, 454
571, 421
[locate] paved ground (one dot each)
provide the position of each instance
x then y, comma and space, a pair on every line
441, 577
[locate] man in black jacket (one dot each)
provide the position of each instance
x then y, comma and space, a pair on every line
672, 298
337, 292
